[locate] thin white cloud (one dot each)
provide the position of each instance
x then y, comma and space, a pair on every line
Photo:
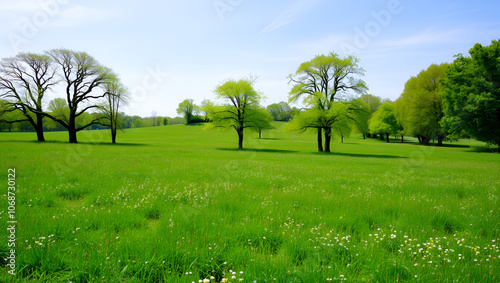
289, 15
423, 38
459, 13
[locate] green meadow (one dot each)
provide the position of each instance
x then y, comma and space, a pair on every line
180, 204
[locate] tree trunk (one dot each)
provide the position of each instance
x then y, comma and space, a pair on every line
381, 137
113, 136
39, 127
402, 139
419, 139
328, 137
425, 140
387, 137
72, 128
341, 138
320, 141
240, 139
364, 136
72, 135
440, 140
260, 132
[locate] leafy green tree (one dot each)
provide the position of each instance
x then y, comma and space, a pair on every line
188, 109
471, 94
58, 108
280, 111
262, 121
420, 107
315, 118
9, 116
374, 103
323, 82
360, 116
83, 77
240, 109
384, 121
24, 81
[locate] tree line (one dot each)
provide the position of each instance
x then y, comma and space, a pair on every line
126, 121
446, 101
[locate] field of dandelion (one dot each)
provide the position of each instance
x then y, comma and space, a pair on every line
179, 204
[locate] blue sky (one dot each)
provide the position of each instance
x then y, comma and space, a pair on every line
167, 51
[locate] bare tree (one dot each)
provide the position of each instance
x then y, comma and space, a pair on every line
24, 80
116, 97
83, 76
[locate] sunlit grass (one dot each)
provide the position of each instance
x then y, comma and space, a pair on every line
179, 204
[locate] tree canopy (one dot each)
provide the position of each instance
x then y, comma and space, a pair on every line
188, 109
240, 108
116, 96
471, 94
384, 121
83, 77
419, 108
322, 83
24, 80
281, 111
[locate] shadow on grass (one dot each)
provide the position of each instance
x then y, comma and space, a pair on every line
488, 149
115, 144
83, 143
455, 145
270, 139
360, 155
198, 124
257, 150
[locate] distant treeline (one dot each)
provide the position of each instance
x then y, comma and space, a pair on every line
127, 122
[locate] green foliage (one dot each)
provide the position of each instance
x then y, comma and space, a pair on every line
116, 96
319, 118
9, 113
359, 114
471, 94
240, 109
188, 109
280, 111
419, 108
332, 76
373, 101
325, 84
384, 120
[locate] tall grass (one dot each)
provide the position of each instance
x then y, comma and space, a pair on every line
178, 204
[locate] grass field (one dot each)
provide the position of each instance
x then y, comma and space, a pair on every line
179, 204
